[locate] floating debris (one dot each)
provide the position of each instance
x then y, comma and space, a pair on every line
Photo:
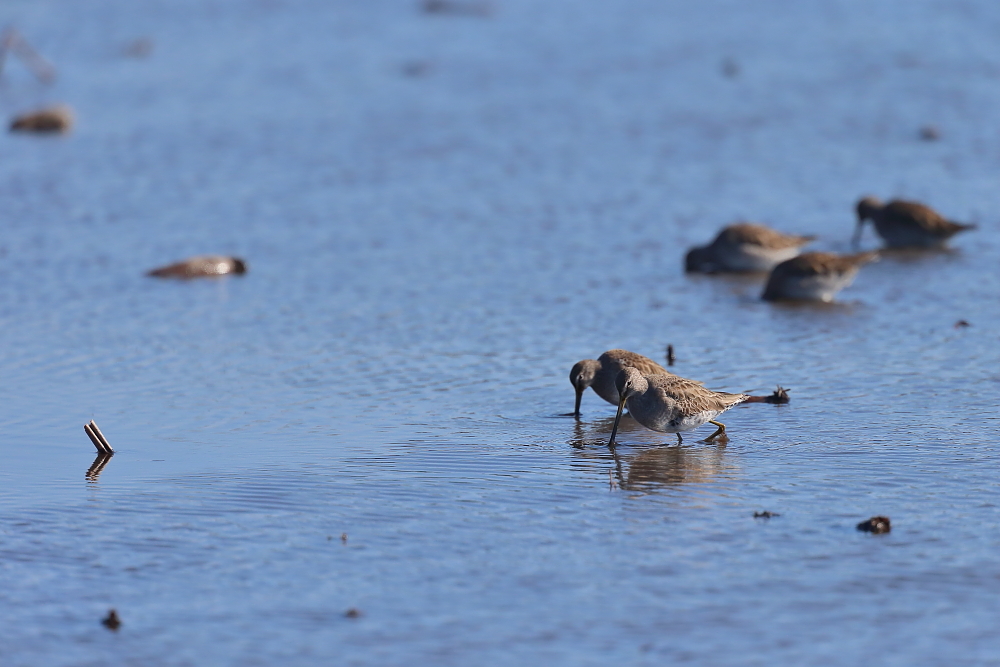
96, 437
670, 355
343, 538
52, 120
877, 525
203, 266
111, 621
961, 324
138, 48
764, 515
457, 7
929, 133
11, 41
778, 397
416, 68
354, 613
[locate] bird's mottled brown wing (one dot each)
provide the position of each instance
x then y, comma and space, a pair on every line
675, 382
761, 235
909, 213
692, 396
821, 264
624, 358
207, 265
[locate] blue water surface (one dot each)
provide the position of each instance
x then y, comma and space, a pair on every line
442, 212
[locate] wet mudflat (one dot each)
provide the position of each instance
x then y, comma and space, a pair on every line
428, 256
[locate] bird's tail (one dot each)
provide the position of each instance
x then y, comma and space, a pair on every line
862, 258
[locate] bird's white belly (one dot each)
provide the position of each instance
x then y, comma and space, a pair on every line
903, 237
749, 257
816, 288
665, 417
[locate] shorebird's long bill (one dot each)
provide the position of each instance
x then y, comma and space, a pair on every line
579, 396
856, 240
618, 418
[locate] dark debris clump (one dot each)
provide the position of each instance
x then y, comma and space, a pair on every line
111, 621
877, 525
779, 397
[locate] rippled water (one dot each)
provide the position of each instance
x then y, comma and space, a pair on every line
441, 214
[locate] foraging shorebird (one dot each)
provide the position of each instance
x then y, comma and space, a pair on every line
906, 224
205, 266
51, 120
744, 247
660, 403
815, 276
600, 375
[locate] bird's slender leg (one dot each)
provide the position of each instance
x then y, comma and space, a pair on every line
679, 439
720, 431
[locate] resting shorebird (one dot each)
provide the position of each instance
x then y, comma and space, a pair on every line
906, 224
745, 246
201, 267
662, 404
815, 276
51, 120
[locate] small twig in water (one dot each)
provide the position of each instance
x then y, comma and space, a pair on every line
11, 41
100, 436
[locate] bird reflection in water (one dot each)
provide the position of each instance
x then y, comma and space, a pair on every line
675, 465
647, 468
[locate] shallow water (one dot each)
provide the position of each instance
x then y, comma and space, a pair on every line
441, 214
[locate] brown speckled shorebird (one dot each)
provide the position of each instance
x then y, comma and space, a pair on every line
906, 224
600, 375
205, 266
51, 120
744, 247
660, 403
815, 276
